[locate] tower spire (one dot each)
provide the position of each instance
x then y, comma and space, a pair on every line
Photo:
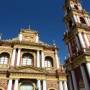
77, 39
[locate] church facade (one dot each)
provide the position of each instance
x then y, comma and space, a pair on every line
26, 63
77, 39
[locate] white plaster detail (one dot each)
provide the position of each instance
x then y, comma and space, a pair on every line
9, 85
60, 85
65, 85
13, 57
38, 85
87, 22
42, 59
57, 59
86, 40
77, 42
88, 68
44, 85
38, 58
75, 18
81, 40
78, 18
16, 85
18, 57
20, 37
37, 38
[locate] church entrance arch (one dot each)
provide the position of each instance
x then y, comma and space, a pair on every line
26, 86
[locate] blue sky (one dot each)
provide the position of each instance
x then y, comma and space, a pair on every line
44, 16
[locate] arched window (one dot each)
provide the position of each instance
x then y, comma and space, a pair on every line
82, 20
4, 57
48, 62
26, 86
27, 59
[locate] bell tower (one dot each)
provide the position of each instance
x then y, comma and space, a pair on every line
77, 39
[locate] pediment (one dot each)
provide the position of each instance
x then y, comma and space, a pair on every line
28, 69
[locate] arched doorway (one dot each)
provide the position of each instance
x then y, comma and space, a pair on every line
26, 86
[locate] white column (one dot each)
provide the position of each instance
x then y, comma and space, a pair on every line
88, 68
38, 58
44, 85
74, 80
69, 47
16, 85
86, 19
84, 76
70, 83
65, 85
86, 40
60, 85
38, 84
75, 18
18, 57
42, 59
81, 40
78, 19
78, 43
57, 59
13, 57
9, 85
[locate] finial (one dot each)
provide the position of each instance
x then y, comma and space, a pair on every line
0, 36
54, 43
29, 26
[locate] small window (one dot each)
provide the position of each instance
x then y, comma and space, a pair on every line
82, 20
4, 57
27, 59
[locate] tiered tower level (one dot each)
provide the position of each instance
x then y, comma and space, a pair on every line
77, 39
